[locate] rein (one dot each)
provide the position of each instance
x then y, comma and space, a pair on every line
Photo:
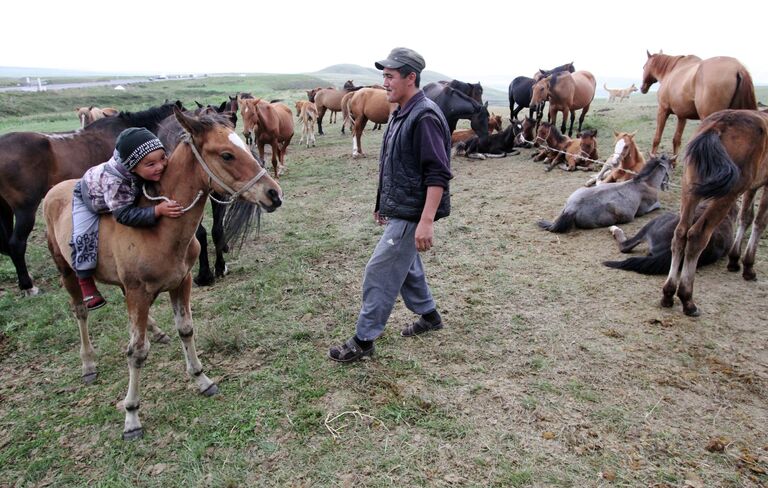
234, 195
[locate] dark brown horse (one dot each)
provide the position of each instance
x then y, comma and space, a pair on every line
32, 162
693, 89
472, 90
727, 157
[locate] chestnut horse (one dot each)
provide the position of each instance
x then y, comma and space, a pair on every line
147, 262
693, 89
627, 161
87, 115
367, 104
271, 123
328, 99
32, 162
566, 93
579, 152
727, 157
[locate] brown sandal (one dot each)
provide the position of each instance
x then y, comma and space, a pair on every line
419, 327
350, 351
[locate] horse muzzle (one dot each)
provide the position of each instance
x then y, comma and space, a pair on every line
275, 199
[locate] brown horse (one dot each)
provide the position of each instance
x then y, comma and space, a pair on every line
327, 99
271, 123
147, 262
566, 93
87, 115
308, 118
32, 162
367, 104
494, 123
560, 148
728, 156
627, 160
693, 89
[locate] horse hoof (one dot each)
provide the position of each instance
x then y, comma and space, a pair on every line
30, 292
211, 390
134, 434
89, 378
749, 275
667, 302
204, 280
692, 311
161, 338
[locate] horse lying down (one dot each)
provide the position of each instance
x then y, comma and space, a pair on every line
615, 203
658, 234
497, 145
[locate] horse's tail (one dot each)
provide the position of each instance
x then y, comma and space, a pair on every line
562, 224
657, 264
744, 95
716, 171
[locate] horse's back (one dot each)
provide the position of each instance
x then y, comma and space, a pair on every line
723, 82
584, 84
372, 103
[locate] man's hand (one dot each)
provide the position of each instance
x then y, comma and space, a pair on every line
379, 219
425, 233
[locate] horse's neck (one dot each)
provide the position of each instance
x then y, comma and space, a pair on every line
182, 183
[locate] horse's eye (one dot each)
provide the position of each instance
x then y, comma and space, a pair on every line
227, 156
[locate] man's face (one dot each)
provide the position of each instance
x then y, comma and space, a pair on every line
397, 86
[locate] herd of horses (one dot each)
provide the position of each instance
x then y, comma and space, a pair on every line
727, 158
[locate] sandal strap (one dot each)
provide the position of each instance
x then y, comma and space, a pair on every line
352, 346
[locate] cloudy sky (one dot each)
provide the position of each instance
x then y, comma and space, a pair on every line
490, 41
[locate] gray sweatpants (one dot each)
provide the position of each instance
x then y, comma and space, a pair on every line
395, 267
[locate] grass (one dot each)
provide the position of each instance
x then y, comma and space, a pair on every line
525, 351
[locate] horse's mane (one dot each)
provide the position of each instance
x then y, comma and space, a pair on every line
650, 166
555, 77
149, 118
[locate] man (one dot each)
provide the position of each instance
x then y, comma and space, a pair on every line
414, 170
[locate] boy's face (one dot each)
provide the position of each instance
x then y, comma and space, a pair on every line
153, 165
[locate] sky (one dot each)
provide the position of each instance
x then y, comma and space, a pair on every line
491, 41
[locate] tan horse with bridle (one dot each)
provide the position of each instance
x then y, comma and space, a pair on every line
271, 123
693, 89
627, 161
145, 262
566, 93
367, 104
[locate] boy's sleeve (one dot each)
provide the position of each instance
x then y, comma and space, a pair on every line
134, 216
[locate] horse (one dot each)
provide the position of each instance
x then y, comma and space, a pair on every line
617, 95
494, 123
308, 117
727, 157
147, 262
87, 115
658, 233
32, 162
497, 145
566, 93
456, 105
626, 161
605, 205
271, 123
579, 152
327, 99
367, 104
520, 91
472, 90
692, 88
170, 132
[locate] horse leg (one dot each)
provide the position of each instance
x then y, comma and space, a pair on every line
627, 245
275, 155
678, 137
581, 117
138, 303
158, 335
320, 114
566, 112
570, 128
746, 215
182, 315
758, 226
679, 242
661, 121
698, 237
204, 276
17, 248
217, 234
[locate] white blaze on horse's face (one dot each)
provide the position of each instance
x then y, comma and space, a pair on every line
619, 147
235, 139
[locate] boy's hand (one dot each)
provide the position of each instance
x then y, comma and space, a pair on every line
169, 209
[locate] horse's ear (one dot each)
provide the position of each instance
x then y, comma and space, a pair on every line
632, 135
648, 53
199, 105
189, 124
222, 106
661, 51
615, 134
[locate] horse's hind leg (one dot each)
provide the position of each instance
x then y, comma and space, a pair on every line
758, 227
626, 245
182, 314
698, 237
746, 215
679, 243
678, 137
17, 248
138, 303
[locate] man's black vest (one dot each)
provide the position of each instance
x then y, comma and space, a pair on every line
402, 192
